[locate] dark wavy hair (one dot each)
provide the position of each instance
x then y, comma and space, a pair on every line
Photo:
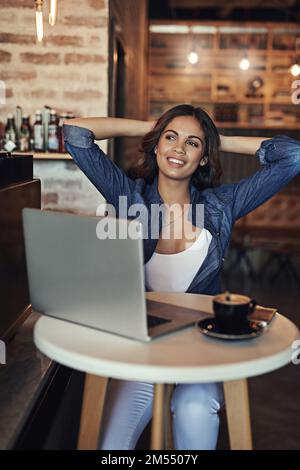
205, 176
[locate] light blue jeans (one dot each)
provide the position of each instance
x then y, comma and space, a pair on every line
128, 410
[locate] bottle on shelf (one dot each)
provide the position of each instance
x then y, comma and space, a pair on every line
62, 118
10, 134
46, 119
18, 123
25, 134
53, 133
1, 135
70, 115
38, 132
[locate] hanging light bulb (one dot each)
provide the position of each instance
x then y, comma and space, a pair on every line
53, 12
295, 70
39, 19
193, 57
295, 66
244, 63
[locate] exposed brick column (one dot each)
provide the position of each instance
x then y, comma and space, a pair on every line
68, 71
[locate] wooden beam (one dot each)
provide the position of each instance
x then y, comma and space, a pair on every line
231, 4
91, 412
238, 414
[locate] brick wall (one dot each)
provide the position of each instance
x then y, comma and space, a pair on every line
68, 71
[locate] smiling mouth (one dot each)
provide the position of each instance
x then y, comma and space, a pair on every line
175, 162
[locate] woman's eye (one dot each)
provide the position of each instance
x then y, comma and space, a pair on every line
194, 144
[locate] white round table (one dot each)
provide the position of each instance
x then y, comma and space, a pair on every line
186, 356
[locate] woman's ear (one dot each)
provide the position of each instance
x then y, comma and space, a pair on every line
204, 160
155, 150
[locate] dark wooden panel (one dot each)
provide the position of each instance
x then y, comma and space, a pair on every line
52, 421
14, 293
130, 20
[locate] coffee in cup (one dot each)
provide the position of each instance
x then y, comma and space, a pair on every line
232, 311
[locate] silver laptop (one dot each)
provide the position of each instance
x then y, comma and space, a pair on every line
74, 275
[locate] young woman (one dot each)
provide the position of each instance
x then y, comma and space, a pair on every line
180, 165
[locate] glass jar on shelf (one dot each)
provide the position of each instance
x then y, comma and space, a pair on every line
53, 132
25, 134
10, 134
38, 132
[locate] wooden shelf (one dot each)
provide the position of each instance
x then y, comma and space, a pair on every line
209, 52
178, 71
246, 125
49, 156
173, 80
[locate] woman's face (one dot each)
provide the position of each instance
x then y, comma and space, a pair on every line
180, 148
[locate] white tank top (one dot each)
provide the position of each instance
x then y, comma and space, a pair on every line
175, 272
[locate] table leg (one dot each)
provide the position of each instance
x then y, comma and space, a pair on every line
168, 419
238, 414
91, 411
157, 430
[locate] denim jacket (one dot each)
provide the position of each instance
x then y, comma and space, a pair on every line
223, 205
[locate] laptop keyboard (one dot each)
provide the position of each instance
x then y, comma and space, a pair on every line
153, 321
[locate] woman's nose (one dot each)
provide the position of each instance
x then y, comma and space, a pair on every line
179, 148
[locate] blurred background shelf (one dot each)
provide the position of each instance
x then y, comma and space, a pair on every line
49, 156
260, 95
